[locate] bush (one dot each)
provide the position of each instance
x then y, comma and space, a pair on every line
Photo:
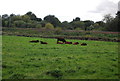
58, 30
49, 26
19, 23
78, 29
38, 26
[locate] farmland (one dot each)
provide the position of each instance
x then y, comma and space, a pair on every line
24, 60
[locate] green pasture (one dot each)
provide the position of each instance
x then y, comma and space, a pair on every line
24, 60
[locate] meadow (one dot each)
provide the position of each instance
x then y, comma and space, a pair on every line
25, 60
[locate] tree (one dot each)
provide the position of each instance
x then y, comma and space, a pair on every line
38, 25
118, 17
5, 19
19, 23
5, 16
100, 23
76, 19
77, 24
66, 25
38, 19
108, 18
25, 18
12, 15
43, 23
118, 14
31, 15
53, 20
87, 23
0, 22
111, 23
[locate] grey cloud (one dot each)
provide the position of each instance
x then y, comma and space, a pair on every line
106, 7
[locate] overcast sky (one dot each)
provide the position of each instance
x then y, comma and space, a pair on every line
64, 10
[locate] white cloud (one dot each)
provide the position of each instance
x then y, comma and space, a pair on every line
63, 9
107, 7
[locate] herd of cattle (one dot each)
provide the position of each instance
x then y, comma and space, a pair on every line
63, 41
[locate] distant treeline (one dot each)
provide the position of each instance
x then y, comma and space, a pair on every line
30, 20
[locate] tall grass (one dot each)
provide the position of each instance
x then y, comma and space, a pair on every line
43, 32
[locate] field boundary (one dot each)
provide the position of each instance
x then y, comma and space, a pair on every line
67, 34
74, 37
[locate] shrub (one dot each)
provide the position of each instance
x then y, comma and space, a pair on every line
49, 26
78, 29
38, 26
58, 30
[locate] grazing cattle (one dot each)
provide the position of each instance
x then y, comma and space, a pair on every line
34, 41
68, 42
76, 43
59, 42
43, 42
83, 44
61, 39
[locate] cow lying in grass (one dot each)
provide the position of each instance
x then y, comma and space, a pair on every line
76, 43
68, 42
34, 41
83, 44
43, 42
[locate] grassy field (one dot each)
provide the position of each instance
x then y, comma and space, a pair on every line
24, 60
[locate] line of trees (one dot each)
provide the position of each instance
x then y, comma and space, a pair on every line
30, 20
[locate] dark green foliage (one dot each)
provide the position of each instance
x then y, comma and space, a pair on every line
43, 23
66, 25
31, 15
88, 23
19, 23
77, 24
53, 20
112, 24
30, 20
76, 19
5, 22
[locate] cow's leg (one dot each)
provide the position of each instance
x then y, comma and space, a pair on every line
57, 40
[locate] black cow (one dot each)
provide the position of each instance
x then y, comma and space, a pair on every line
61, 39
43, 42
34, 41
83, 44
